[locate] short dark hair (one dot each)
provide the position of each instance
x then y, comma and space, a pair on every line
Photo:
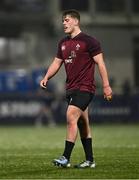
72, 12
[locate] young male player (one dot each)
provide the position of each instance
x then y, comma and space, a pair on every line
79, 53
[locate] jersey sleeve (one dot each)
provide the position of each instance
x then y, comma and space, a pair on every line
94, 47
59, 51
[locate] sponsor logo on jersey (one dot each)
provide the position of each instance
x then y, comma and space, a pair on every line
68, 61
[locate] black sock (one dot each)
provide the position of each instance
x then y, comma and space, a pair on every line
68, 149
87, 145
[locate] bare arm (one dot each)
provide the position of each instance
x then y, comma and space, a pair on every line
104, 75
52, 70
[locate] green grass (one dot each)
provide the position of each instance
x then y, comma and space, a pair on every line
27, 152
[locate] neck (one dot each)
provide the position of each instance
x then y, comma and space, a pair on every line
75, 33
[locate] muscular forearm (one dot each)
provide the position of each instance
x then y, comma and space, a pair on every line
102, 69
103, 74
53, 69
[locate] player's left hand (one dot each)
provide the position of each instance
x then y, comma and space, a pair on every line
107, 93
108, 98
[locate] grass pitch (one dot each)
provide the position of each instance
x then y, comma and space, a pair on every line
27, 153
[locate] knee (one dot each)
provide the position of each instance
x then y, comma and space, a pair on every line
72, 118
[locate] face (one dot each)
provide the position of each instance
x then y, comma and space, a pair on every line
69, 24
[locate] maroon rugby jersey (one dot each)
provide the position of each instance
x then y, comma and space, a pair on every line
77, 54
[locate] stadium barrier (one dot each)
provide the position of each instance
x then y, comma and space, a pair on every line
24, 108
22, 102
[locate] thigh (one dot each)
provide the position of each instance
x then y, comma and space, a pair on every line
73, 113
84, 119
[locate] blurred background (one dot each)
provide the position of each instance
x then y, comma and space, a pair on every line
29, 32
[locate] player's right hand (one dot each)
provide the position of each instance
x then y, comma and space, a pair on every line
43, 83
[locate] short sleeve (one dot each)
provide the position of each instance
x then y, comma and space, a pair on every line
94, 47
59, 51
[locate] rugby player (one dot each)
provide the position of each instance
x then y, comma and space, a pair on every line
79, 53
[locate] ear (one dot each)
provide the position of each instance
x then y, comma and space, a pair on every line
76, 21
